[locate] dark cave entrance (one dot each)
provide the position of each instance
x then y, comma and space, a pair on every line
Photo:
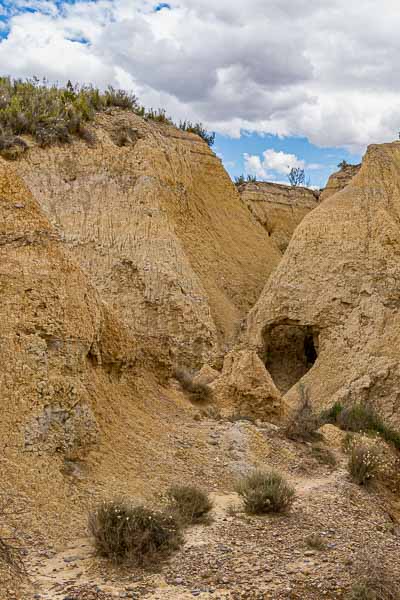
290, 350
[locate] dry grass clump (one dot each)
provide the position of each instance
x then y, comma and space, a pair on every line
265, 492
304, 424
199, 392
374, 581
198, 129
361, 418
125, 136
365, 460
124, 532
241, 180
316, 541
52, 114
189, 504
323, 455
11, 146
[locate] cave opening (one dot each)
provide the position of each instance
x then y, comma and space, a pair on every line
290, 351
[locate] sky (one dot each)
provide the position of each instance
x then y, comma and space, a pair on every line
283, 83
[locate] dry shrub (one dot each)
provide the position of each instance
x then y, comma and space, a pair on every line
199, 392
210, 412
123, 532
304, 424
365, 460
125, 136
87, 135
265, 492
361, 418
374, 581
189, 504
11, 147
316, 541
323, 455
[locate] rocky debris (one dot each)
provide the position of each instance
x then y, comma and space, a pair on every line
238, 556
87, 592
278, 208
246, 388
328, 316
206, 375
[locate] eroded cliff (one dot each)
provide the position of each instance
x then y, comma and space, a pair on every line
338, 181
278, 208
154, 220
329, 315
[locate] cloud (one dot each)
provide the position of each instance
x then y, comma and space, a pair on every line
273, 164
281, 162
326, 71
254, 166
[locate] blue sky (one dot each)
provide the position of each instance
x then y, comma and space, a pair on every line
232, 151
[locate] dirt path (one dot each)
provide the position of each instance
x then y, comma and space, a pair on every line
238, 557
56, 575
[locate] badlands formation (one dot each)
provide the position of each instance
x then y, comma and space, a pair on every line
121, 264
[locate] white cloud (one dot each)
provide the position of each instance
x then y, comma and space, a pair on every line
254, 166
273, 164
327, 71
281, 162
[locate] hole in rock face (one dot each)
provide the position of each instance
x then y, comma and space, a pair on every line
290, 350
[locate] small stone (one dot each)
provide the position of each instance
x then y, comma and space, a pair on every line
71, 559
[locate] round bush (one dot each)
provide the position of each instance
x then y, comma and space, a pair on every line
364, 462
125, 532
265, 492
189, 503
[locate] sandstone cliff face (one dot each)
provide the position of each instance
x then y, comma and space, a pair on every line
80, 405
337, 181
161, 231
278, 208
330, 313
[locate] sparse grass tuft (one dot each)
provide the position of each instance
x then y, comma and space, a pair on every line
11, 146
323, 455
199, 392
198, 129
53, 114
123, 532
361, 418
374, 581
364, 461
304, 424
189, 504
241, 180
160, 116
125, 136
331, 414
316, 542
265, 492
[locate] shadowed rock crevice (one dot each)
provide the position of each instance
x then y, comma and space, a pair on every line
290, 350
